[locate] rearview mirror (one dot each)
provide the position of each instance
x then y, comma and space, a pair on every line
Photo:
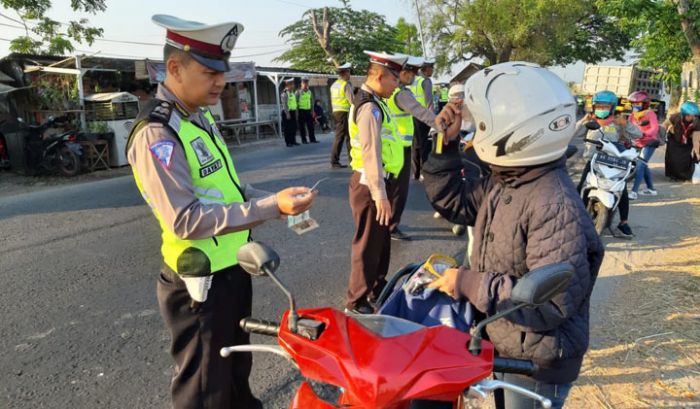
542, 284
258, 259
592, 125
644, 123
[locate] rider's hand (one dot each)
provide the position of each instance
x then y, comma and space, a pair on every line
621, 120
449, 120
295, 200
447, 282
383, 212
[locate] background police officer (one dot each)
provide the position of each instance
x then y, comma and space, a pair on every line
341, 99
377, 159
304, 110
422, 88
183, 169
405, 108
288, 100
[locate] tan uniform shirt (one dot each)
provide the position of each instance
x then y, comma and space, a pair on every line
407, 102
170, 192
428, 90
369, 132
349, 92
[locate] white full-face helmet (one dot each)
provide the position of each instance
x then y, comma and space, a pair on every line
524, 114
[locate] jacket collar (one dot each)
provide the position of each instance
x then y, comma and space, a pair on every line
517, 176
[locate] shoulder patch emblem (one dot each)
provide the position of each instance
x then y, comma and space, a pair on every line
163, 151
204, 156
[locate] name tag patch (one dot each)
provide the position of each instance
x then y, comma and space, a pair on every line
200, 149
208, 170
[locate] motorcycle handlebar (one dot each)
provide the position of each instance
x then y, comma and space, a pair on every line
516, 366
262, 327
594, 142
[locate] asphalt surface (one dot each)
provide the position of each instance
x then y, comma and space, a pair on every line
78, 267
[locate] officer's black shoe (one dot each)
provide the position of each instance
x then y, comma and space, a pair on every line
399, 235
295, 144
289, 145
304, 142
362, 309
338, 166
315, 142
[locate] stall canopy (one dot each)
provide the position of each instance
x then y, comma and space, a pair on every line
239, 72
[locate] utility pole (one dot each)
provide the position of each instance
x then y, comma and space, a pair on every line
420, 28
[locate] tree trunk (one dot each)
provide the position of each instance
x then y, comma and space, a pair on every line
689, 30
323, 34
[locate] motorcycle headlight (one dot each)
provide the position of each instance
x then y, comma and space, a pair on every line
603, 177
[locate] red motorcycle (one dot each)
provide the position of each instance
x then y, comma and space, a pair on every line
377, 361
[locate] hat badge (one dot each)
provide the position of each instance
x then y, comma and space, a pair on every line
229, 40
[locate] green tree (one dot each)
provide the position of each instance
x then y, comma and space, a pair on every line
43, 35
666, 33
548, 32
407, 35
325, 38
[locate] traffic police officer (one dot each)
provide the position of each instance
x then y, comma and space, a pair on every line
376, 160
405, 108
306, 119
422, 88
185, 173
444, 95
288, 99
341, 99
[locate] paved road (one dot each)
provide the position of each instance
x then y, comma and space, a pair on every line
78, 263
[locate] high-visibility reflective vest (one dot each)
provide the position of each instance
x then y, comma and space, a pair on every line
291, 101
392, 147
214, 180
339, 100
417, 90
444, 94
305, 100
404, 120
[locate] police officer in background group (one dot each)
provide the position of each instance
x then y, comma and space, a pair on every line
306, 118
376, 160
184, 171
444, 95
405, 109
288, 100
341, 99
422, 88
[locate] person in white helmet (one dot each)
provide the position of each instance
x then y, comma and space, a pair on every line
526, 214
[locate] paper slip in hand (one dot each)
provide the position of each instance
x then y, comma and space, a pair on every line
301, 223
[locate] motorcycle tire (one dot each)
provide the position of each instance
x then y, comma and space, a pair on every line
68, 162
599, 214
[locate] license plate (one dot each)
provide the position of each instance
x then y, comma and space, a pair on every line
612, 161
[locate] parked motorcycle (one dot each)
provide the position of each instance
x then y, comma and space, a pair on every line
377, 361
611, 168
60, 152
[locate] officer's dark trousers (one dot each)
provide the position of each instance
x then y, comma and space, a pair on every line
371, 246
421, 146
202, 378
289, 127
399, 195
306, 123
342, 135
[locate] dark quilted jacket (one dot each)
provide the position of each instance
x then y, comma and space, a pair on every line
523, 219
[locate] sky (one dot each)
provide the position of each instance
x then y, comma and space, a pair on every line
130, 20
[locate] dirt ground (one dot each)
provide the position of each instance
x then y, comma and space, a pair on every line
645, 329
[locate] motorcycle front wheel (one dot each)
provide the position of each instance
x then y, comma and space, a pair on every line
68, 162
599, 214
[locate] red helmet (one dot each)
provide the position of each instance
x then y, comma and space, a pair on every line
638, 97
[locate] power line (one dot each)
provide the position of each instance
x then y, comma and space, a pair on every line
109, 40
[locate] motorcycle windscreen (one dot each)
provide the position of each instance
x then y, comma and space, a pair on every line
387, 326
